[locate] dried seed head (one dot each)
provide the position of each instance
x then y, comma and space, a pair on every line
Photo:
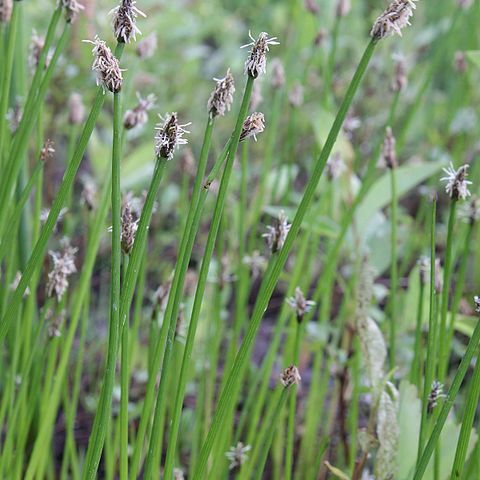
343, 8
63, 267
37, 43
393, 19
456, 183
278, 74
55, 324
169, 136
138, 116
476, 300
89, 194
335, 166
76, 109
72, 9
300, 304
470, 211
15, 283
47, 151
311, 6
221, 98
237, 455
460, 62
436, 392
256, 62
256, 262
256, 98
388, 433
464, 3
295, 97
147, 47
277, 234
252, 126
106, 67
129, 229
389, 155
6, 7
400, 80
124, 22
290, 376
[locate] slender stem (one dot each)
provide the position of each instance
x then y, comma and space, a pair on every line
202, 281
393, 268
467, 423
124, 386
102, 415
418, 350
447, 274
292, 408
171, 311
432, 334
65, 186
274, 421
20, 144
270, 281
449, 400
7, 74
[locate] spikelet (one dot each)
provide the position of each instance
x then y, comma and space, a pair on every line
256, 63
221, 99
393, 19
105, 66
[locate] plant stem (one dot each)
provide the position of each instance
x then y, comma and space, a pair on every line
432, 335
124, 386
270, 281
450, 398
102, 415
447, 274
171, 311
67, 182
7, 75
200, 291
292, 408
393, 268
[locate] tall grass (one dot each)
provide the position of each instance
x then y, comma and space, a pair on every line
158, 339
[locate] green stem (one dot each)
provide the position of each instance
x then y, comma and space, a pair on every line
65, 186
267, 442
20, 144
270, 281
200, 291
7, 74
393, 269
171, 311
449, 400
432, 334
124, 386
102, 415
292, 409
447, 274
